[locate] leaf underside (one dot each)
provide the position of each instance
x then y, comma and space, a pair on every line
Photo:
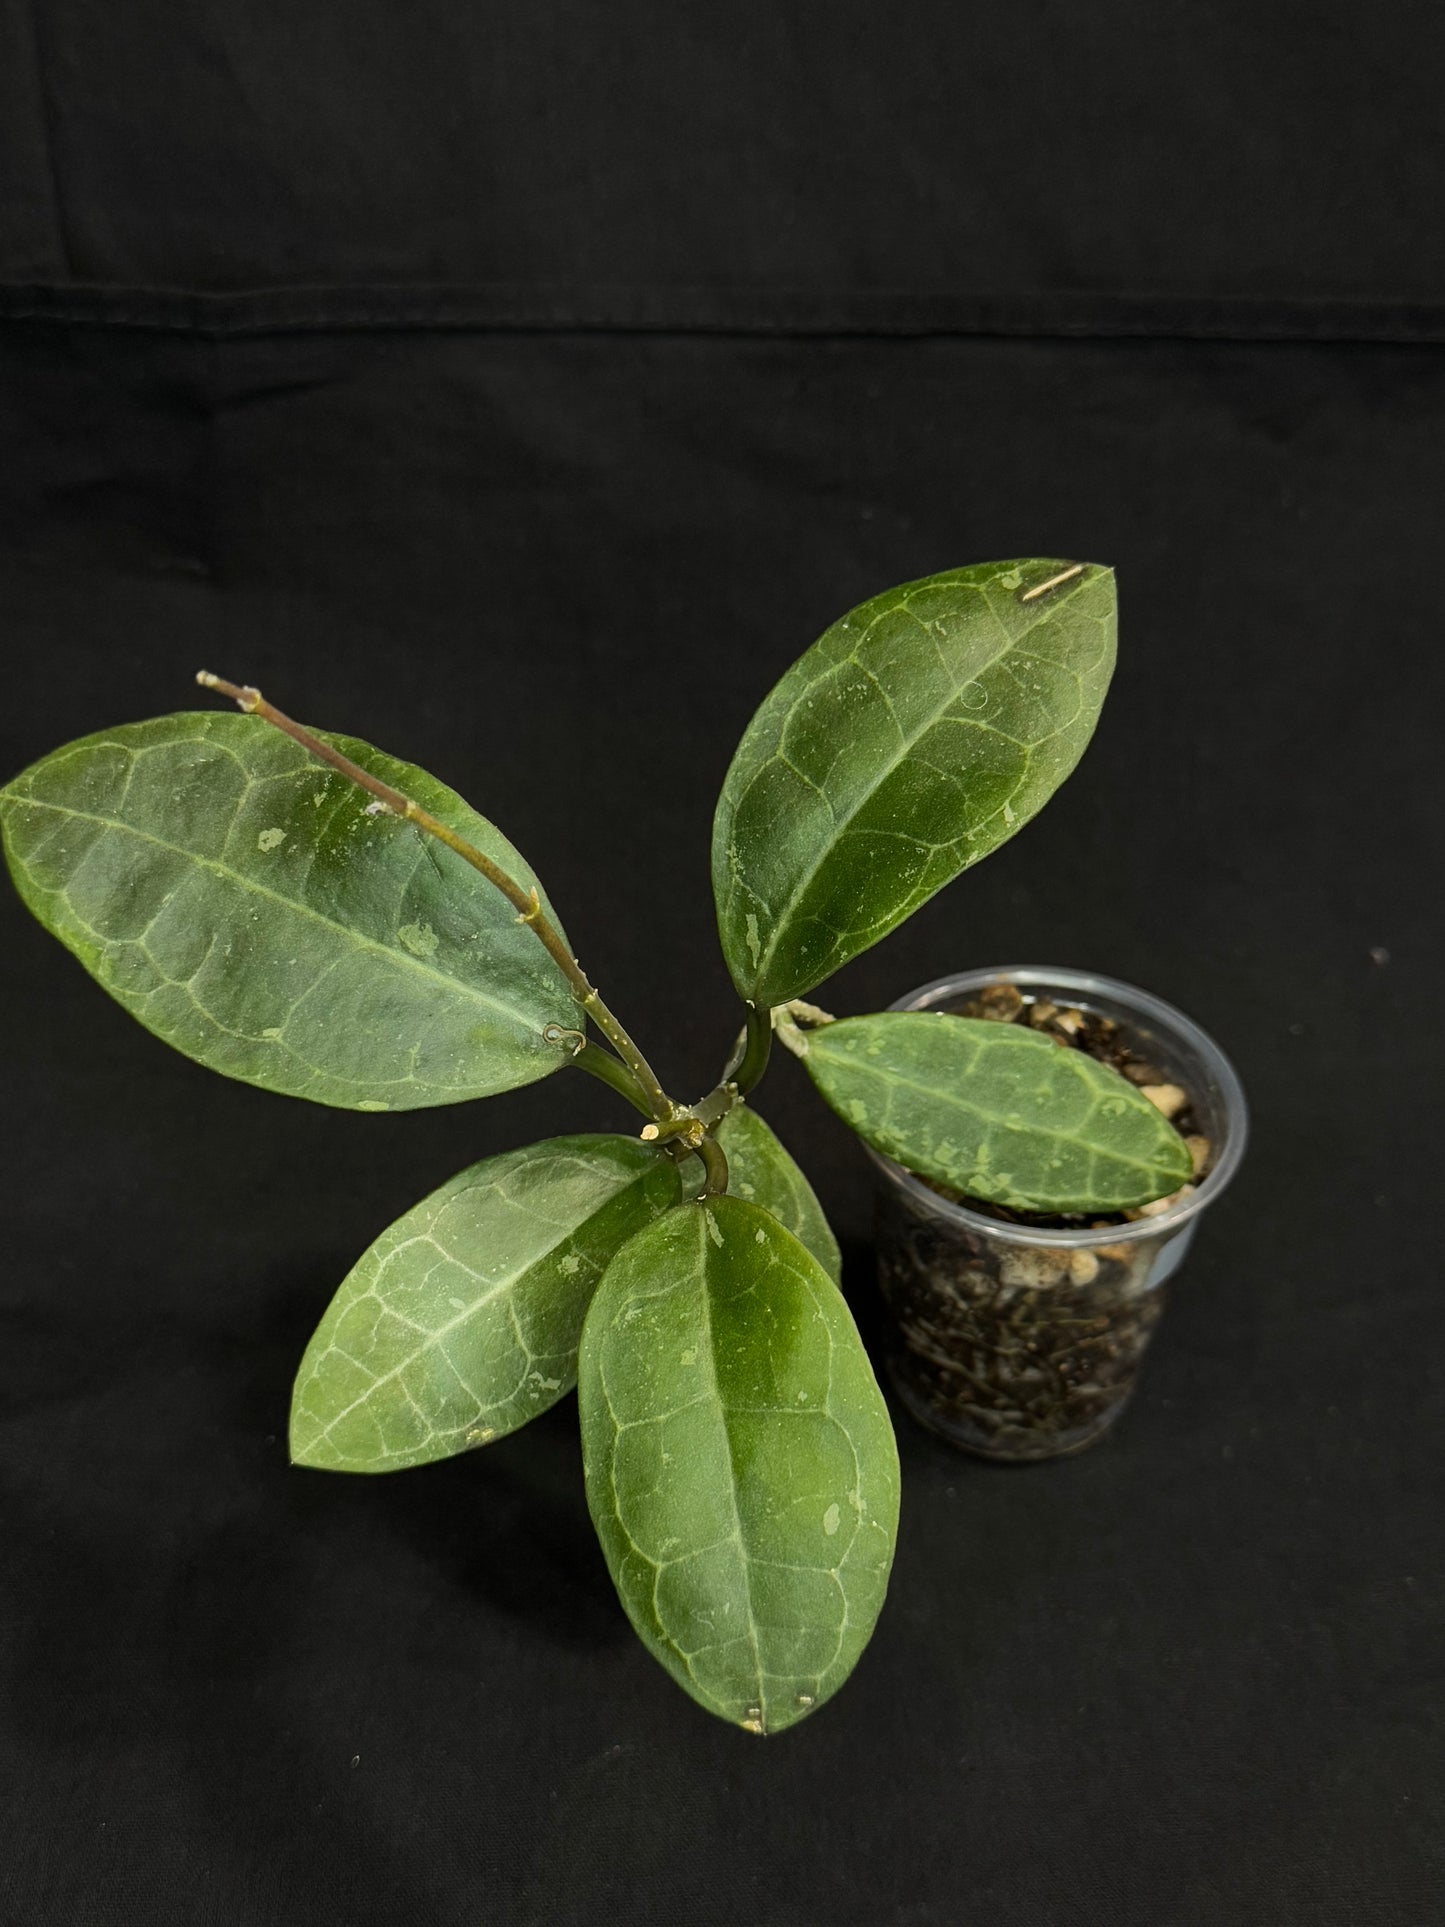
237, 897
917, 734
461, 1322
996, 1111
741, 1469
761, 1171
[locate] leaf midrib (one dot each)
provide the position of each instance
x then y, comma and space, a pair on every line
744, 1556
905, 749
402, 958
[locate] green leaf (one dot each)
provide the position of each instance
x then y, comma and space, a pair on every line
461, 1322
237, 897
761, 1171
916, 735
741, 1469
996, 1111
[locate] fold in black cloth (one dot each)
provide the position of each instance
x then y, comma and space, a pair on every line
756, 150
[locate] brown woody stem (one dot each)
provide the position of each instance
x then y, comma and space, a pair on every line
526, 902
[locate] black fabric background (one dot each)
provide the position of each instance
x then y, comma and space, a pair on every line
523, 393
747, 148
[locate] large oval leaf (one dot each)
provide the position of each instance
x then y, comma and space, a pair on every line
461, 1322
996, 1111
236, 896
916, 735
741, 1469
761, 1170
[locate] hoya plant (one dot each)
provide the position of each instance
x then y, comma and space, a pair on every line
304, 912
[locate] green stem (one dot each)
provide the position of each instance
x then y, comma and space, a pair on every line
526, 903
659, 1103
715, 1164
794, 1020
610, 1070
710, 1111
759, 1044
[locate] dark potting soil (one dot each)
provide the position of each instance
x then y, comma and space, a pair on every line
1013, 1352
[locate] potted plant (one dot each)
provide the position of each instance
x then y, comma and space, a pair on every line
1019, 1331
303, 912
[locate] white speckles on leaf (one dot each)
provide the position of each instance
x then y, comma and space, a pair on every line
460, 1323
419, 938
873, 773
761, 1171
997, 1111
707, 1486
373, 1104
255, 897
712, 1229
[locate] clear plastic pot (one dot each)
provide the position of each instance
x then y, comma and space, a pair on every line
1022, 1343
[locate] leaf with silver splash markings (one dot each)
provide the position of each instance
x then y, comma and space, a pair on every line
918, 733
461, 1322
741, 1469
996, 1112
761, 1170
240, 899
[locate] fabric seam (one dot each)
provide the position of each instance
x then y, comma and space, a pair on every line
506, 309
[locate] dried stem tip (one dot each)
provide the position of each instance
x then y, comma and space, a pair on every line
1041, 589
241, 693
